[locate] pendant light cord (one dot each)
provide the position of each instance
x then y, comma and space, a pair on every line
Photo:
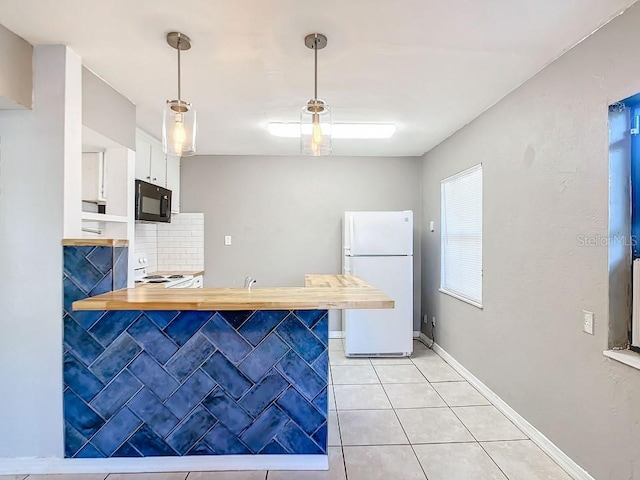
315, 69
179, 86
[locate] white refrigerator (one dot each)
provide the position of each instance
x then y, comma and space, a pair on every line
378, 247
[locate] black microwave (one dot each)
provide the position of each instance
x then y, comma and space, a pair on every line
153, 203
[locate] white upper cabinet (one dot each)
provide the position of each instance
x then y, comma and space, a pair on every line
173, 182
143, 159
154, 166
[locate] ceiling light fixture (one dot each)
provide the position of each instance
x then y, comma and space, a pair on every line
179, 118
315, 118
357, 131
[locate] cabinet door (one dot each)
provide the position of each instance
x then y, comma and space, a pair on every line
93, 181
143, 160
158, 166
173, 182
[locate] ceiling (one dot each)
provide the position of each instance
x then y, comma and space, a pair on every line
429, 66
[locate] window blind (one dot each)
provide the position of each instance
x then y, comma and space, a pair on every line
461, 235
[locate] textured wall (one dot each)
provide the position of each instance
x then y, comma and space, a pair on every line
544, 150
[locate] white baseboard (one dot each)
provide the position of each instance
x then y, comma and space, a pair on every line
416, 334
336, 334
547, 446
49, 465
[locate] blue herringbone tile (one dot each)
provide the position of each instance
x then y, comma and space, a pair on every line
264, 357
115, 358
182, 328
261, 324
264, 428
305, 343
153, 376
305, 379
89, 451
201, 448
321, 401
187, 434
273, 448
120, 267
227, 411
321, 364
127, 451
309, 317
295, 441
226, 338
112, 324
227, 375
103, 286
72, 293
149, 444
161, 318
73, 441
79, 269
101, 258
263, 393
80, 416
147, 406
116, 394
190, 393
222, 442
152, 339
301, 411
80, 379
321, 329
193, 354
321, 435
236, 318
116, 431
78, 341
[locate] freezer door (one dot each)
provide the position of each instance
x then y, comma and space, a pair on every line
378, 233
384, 331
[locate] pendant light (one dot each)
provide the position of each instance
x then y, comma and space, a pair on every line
315, 118
179, 118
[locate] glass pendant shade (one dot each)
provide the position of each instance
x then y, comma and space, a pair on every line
179, 129
315, 128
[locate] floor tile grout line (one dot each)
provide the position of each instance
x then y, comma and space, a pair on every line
403, 429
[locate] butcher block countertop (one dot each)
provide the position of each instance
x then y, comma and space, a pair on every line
321, 292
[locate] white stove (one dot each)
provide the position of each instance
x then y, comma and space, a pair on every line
167, 281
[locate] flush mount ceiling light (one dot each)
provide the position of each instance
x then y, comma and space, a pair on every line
315, 118
359, 131
179, 118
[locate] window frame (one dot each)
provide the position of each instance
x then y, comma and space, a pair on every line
443, 223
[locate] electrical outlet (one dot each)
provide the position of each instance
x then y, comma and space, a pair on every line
227, 240
425, 319
433, 322
588, 322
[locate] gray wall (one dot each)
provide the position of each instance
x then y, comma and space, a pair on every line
15, 71
106, 111
545, 154
284, 213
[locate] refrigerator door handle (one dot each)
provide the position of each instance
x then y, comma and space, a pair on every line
351, 230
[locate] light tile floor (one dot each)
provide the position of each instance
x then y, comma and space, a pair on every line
400, 419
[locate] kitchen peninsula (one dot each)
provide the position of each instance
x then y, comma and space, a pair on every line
230, 378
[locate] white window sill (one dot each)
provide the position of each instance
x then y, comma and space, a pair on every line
460, 297
627, 357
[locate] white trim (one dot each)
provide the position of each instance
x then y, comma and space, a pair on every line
416, 334
547, 446
336, 334
16, 466
460, 297
627, 357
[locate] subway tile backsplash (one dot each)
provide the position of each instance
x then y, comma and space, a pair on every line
178, 245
